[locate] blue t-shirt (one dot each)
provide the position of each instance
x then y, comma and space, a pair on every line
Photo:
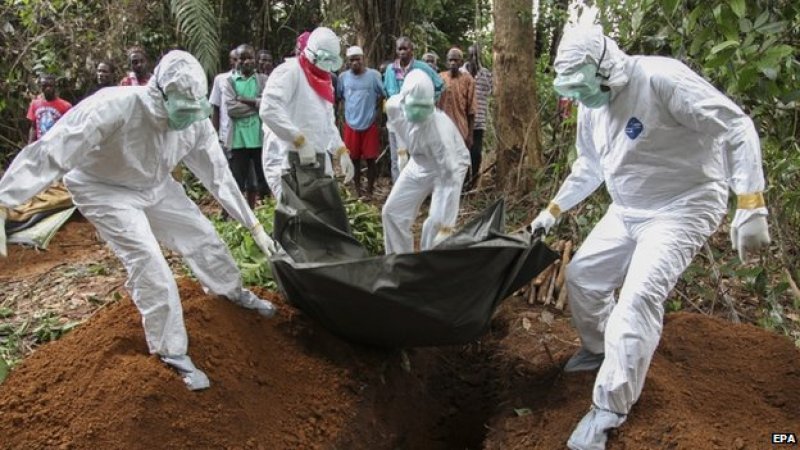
360, 94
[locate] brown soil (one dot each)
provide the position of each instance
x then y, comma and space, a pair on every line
98, 387
285, 383
712, 385
75, 242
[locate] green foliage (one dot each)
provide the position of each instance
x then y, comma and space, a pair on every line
3, 370
67, 38
193, 187
253, 265
431, 25
197, 24
749, 50
15, 337
365, 223
50, 328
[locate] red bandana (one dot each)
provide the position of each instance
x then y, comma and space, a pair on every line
318, 79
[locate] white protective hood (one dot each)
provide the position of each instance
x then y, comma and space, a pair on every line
322, 38
583, 44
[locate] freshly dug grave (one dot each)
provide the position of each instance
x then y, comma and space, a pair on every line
280, 383
285, 383
712, 385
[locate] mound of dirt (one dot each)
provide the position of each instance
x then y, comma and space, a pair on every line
98, 387
712, 385
285, 383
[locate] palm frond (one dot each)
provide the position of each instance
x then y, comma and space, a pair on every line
197, 26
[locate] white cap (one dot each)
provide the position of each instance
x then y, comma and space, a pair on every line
354, 51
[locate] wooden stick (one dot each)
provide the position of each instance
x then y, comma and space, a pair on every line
792, 284
549, 298
543, 275
531, 293
546, 288
565, 257
542, 292
562, 299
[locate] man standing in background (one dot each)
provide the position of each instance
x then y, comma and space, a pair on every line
265, 62
45, 109
362, 91
242, 97
458, 101
483, 89
219, 115
393, 82
140, 70
432, 59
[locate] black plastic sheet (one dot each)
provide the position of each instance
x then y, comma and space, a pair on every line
442, 296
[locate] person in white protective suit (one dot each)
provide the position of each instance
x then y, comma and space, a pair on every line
116, 150
433, 161
297, 108
667, 145
273, 157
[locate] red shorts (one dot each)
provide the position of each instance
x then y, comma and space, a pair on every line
362, 144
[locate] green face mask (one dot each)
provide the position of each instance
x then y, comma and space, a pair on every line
327, 61
584, 86
183, 111
416, 113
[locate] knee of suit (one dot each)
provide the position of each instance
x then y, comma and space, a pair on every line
144, 260
636, 317
572, 276
398, 219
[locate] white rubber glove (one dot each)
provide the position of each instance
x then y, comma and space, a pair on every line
402, 158
3, 252
308, 156
545, 220
346, 164
750, 235
264, 242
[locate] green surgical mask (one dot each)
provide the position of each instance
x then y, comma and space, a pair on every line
327, 61
183, 111
596, 100
584, 86
417, 112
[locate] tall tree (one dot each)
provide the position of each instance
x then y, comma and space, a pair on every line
378, 24
516, 120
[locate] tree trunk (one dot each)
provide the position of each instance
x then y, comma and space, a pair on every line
516, 120
378, 24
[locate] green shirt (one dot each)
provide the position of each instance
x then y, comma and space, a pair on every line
247, 130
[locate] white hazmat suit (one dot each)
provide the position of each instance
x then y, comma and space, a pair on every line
298, 118
273, 157
116, 151
667, 145
438, 163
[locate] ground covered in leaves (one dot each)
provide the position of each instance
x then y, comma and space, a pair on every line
286, 383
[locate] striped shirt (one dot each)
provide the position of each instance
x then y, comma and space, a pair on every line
483, 89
